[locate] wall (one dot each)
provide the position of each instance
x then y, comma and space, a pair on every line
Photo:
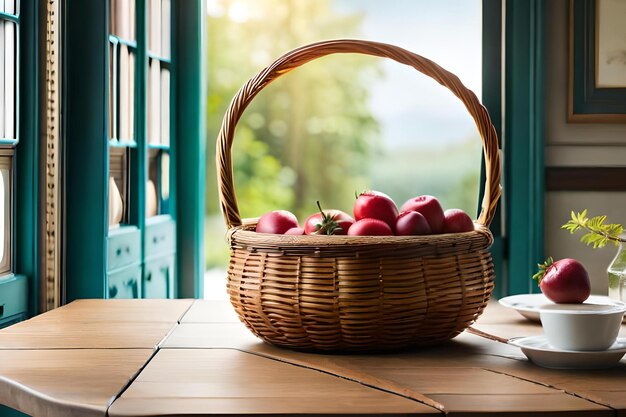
576, 145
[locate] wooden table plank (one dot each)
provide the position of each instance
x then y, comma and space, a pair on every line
60, 334
205, 311
66, 383
211, 335
110, 311
464, 349
468, 365
607, 386
199, 370
557, 404
124, 324
192, 382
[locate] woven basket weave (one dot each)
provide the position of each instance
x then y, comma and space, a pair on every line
348, 293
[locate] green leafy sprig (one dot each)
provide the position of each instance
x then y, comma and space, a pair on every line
598, 234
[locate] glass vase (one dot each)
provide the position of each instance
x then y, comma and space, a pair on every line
617, 274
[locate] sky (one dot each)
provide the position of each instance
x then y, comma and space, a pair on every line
412, 107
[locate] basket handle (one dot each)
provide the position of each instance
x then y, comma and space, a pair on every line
304, 54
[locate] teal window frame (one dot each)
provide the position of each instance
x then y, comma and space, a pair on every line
8, 149
513, 94
189, 125
86, 139
524, 143
25, 250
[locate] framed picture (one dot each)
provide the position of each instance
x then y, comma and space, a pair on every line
597, 61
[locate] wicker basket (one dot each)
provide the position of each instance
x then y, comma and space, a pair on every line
347, 293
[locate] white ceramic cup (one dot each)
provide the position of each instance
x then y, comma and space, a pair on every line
582, 327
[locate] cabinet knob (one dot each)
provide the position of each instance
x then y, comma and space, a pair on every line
112, 291
132, 284
118, 252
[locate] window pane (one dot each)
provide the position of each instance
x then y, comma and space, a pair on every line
5, 214
159, 27
118, 186
123, 18
3, 208
154, 101
165, 177
8, 64
343, 123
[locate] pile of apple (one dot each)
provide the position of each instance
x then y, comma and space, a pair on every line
375, 214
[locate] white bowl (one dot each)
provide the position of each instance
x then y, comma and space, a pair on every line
582, 327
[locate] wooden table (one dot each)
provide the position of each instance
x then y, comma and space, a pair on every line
192, 358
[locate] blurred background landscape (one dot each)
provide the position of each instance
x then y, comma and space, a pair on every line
342, 123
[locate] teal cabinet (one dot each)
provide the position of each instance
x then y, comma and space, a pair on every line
9, 412
13, 300
125, 282
121, 148
159, 277
160, 251
160, 236
123, 247
132, 129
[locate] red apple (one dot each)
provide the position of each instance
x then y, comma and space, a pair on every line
411, 223
457, 221
295, 231
370, 227
328, 222
564, 281
276, 222
429, 207
376, 205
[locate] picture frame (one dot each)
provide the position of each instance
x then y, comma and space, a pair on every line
597, 61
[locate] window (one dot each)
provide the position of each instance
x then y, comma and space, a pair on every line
343, 123
158, 106
9, 65
122, 58
123, 106
6, 204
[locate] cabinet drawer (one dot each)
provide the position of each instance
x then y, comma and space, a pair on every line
125, 283
123, 247
158, 277
13, 297
160, 236
8, 321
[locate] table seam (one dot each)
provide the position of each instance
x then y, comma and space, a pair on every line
425, 400
563, 390
134, 377
179, 320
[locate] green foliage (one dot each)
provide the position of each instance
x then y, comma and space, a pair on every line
264, 183
598, 234
307, 136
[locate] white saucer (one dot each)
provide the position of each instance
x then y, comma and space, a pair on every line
528, 305
539, 351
